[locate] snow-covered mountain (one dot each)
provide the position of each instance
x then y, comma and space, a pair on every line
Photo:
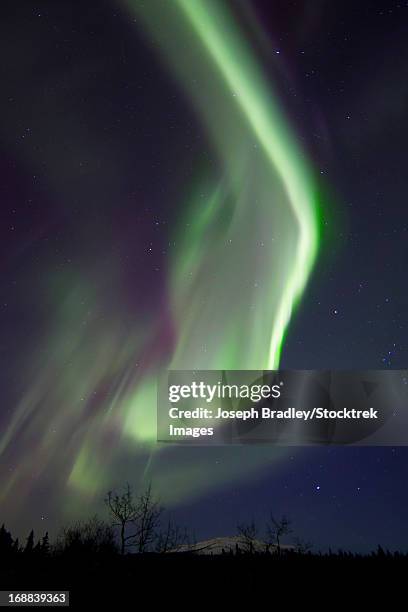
228, 544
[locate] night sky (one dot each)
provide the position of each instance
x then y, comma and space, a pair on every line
102, 152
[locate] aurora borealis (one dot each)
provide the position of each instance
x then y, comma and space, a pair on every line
162, 170
265, 189
248, 248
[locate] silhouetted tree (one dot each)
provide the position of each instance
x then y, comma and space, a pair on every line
141, 514
124, 511
147, 521
45, 544
276, 529
16, 546
248, 534
94, 536
37, 548
171, 538
6, 541
29, 547
42, 547
302, 546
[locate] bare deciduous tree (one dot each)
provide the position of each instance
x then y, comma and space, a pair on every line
276, 529
124, 511
302, 546
172, 538
248, 533
139, 515
147, 521
93, 536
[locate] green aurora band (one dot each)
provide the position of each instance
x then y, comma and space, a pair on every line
245, 247
265, 179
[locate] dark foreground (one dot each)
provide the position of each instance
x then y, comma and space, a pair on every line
114, 580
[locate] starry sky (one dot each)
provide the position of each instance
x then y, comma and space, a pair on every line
143, 192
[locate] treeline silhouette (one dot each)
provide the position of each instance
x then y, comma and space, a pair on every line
137, 540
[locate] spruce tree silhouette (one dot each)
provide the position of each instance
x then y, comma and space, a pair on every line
45, 544
16, 546
29, 547
6, 541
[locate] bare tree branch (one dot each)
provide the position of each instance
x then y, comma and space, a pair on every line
172, 538
276, 529
248, 533
140, 515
